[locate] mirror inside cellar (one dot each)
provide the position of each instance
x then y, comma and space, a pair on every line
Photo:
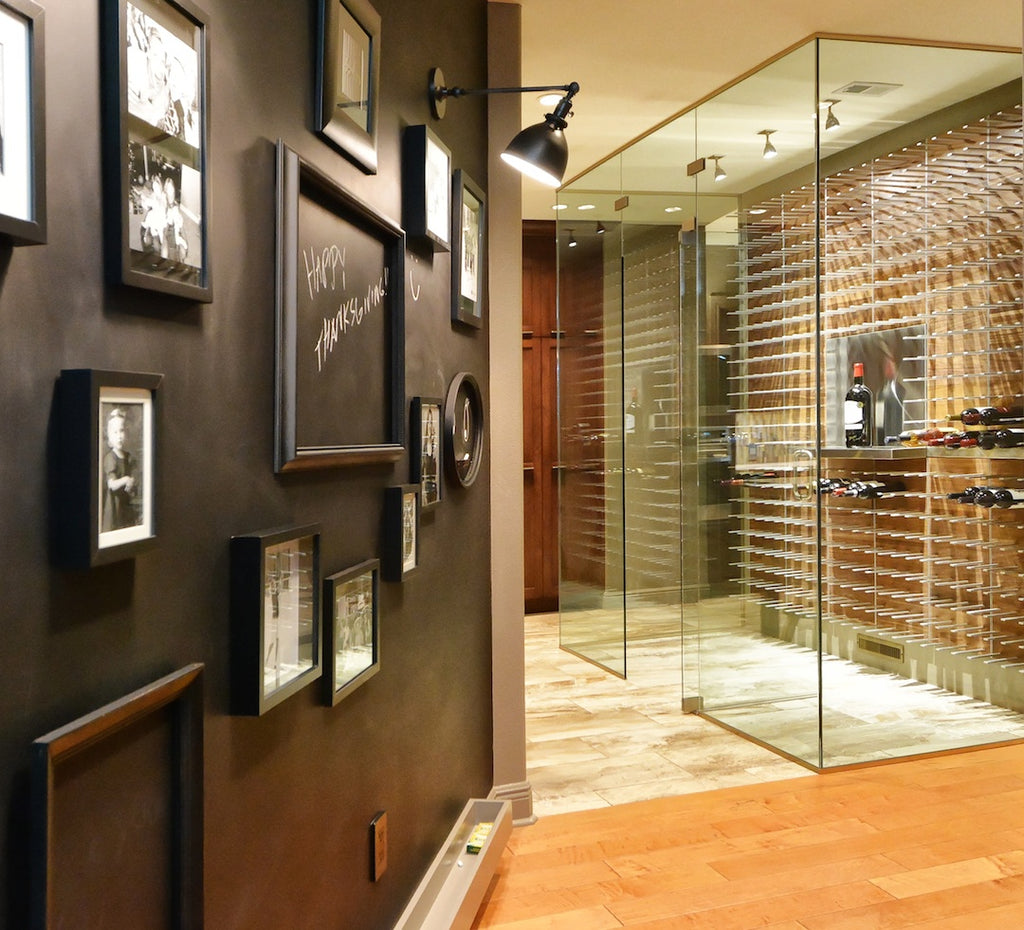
791, 379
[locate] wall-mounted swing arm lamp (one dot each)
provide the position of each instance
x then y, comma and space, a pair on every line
539, 151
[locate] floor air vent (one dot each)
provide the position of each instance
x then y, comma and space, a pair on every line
880, 647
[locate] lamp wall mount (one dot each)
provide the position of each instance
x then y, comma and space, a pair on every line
439, 93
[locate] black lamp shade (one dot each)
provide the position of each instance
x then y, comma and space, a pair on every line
540, 152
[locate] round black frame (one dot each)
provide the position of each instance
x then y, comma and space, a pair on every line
463, 448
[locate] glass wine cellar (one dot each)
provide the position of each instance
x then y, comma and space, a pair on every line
850, 202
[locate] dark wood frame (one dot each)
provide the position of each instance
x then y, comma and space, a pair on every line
295, 177
31, 230
418, 188
75, 467
182, 691
416, 475
357, 144
249, 589
464, 310
393, 549
334, 692
463, 471
122, 129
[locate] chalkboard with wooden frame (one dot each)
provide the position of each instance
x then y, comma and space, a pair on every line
340, 378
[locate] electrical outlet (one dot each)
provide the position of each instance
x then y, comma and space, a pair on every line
378, 846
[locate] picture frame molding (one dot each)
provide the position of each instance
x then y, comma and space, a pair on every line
117, 179
466, 311
249, 588
75, 468
182, 692
416, 473
424, 191
334, 693
395, 563
30, 229
357, 144
290, 454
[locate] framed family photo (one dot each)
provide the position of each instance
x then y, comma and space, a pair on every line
401, 549
156, 154
425, 461
468, 256
351, 622
348, 79
107, 459
426, 187
22, 123
275, 616
340, 325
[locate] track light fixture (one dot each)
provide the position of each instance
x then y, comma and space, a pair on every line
769, 150
831, 120
539, 151
601, 228
720, 174
572, 240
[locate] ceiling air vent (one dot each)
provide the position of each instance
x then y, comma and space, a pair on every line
880, 647
865, 89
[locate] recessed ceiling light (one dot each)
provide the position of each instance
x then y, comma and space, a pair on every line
585, 206
673, 209
756, 211
560, 206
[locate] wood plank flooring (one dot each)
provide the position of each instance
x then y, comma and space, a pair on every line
928, 843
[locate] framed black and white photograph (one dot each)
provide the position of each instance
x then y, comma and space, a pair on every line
352, 645
105, 473
340, 330
22, 123
426, 188
463, 430
117, 804
157, 153
468, 256
401, 548
425, 449
275, 616
348, 79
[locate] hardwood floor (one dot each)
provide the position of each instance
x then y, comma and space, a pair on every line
929, 843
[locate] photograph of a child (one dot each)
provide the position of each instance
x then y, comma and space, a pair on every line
124, 458
121, 481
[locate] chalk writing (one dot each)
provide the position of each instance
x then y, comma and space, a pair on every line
322, 269
351, 313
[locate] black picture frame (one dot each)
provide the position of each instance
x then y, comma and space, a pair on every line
105, 467
340, 325
348, 79
426, 188
469, 256
145, 753
463, 430
426, 439
275, 616
400, 555
23, 139
156, 146
351, 628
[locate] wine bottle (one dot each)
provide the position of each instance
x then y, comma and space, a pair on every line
831, 485
966, 496
889, 415
1008, 438
858, 411
917, 437
986, 416
871, 488
632, 414
1008, 497
748, 478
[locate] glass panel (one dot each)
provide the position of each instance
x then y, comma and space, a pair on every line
921, 285
755, 383
591, 612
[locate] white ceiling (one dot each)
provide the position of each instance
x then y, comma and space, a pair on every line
639, 62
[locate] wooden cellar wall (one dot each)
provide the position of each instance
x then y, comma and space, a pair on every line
928, 236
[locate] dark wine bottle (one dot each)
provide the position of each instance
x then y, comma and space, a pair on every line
991, 415
966, 496
858, 411
1008, 497
1009, 438
871, 488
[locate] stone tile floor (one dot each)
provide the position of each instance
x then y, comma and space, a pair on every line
596, 740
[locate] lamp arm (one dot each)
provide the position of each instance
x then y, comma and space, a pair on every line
443, 92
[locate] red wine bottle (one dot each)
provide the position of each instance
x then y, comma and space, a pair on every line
966, 496
1008, 497
858, 411
1009, 438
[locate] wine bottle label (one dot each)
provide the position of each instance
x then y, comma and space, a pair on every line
853, 414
